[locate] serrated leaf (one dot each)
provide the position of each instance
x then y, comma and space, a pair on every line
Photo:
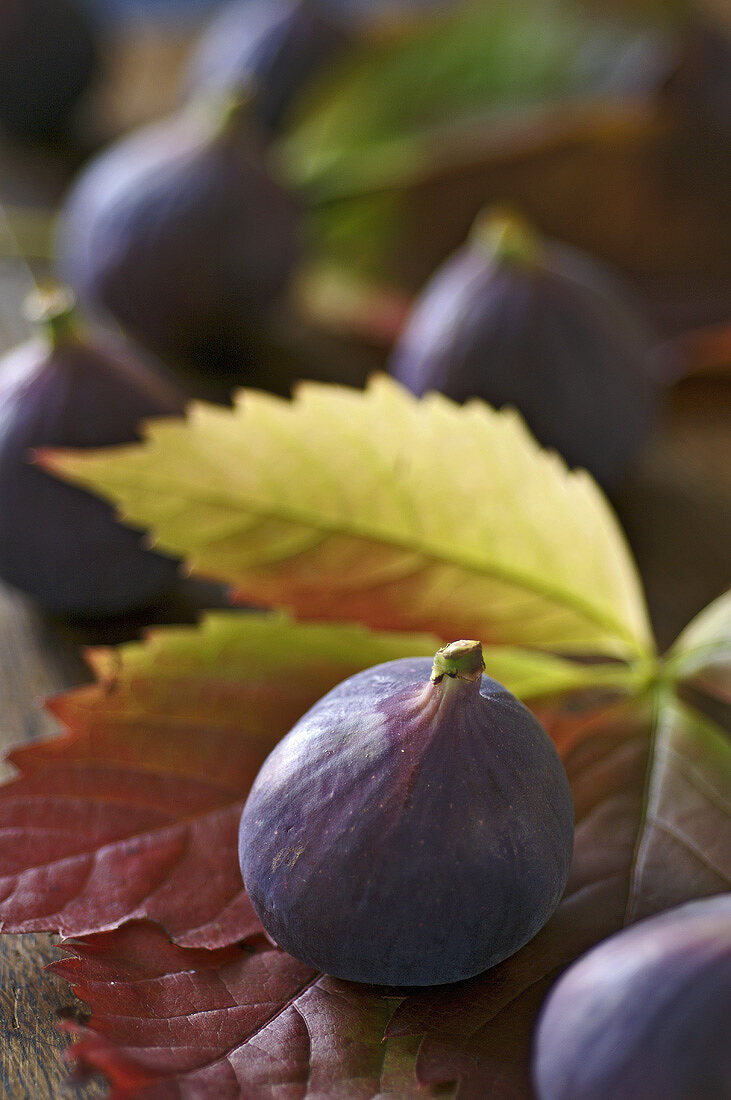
380, 508
651, 786
170, 1023
134, 810
652, 795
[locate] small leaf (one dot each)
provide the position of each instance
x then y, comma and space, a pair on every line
703, 650
379, 508
134, 811
172, 1022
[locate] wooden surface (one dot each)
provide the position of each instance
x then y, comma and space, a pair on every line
34, 662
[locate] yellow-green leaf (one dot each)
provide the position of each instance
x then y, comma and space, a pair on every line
262, 669
379, 508
703, 650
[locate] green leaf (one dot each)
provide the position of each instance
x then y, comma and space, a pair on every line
379, 508
381, 153
704, 648
530, 674
375, 120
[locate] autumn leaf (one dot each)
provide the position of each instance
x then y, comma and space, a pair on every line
169, 1022
379, 508
652, 795
651, 784
134, 810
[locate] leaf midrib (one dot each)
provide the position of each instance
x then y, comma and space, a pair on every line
420, 545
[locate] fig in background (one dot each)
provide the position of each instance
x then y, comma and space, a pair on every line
646, 1014
700, 87
180, 234
516, 320
57, 542
272, 46
48, 56
415, 827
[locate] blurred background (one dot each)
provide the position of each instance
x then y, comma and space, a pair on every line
526, 202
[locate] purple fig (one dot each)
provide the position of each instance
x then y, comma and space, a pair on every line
414, 827
182, 235
700, 87
541, 326
271, 46
57, 542
645, 1015
48, 56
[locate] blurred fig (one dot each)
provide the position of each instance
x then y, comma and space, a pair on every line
48, 55
646, 1015
700, 87
519, 321
271, 46
180, 233
57, 542
415, 827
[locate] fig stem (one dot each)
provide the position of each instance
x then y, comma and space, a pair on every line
54, 308
462, 659
507, 237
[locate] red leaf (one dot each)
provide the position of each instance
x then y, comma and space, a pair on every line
649, 816
134, 811
648, 786
172, 1023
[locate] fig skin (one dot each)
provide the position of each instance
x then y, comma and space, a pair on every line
408, 831
48, 57
180, 233
59, 543
645, 1014
271, 46
545, 328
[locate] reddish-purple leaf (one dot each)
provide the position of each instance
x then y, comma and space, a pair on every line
652, 793
171, 1023
134, 811
650, 784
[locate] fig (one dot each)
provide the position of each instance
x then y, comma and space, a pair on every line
413, 828
274, 46
536, 324
57, 542
180, 234
48, 56
700, 87
645, 1014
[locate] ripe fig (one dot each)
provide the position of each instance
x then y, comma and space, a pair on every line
57, 542
182, 235
645, 1014
414, 827
273, 45
48, 56
541, 326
